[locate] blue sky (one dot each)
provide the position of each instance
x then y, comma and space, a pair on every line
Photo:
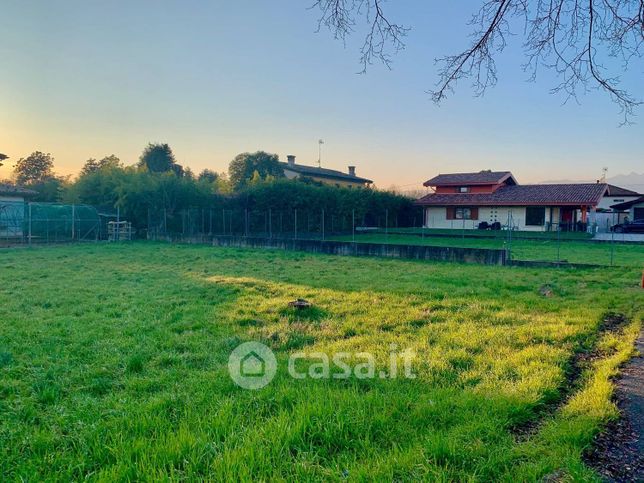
86, 78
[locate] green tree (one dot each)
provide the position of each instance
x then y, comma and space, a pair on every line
35, 168
3, 157
158, 158
208, 175
91, 165
51, 189
242, 169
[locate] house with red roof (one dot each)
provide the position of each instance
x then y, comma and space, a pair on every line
494, 199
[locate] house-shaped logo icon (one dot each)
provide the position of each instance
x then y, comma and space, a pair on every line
252, 365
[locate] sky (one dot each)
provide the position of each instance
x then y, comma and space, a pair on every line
89, 78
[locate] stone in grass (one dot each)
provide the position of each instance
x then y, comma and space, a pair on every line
300, 304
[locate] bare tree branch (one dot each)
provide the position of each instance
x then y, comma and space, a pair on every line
582, 41
383, 38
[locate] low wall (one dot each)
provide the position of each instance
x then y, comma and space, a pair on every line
546, 264
421, 252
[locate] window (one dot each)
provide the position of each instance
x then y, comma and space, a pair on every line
462, 213
535, 215
463, 189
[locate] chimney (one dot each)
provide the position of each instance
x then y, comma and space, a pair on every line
291, 159
352, 170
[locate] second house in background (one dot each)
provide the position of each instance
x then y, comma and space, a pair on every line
324, 175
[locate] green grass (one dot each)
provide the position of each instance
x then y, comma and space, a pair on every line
550, 235
113, 366
625, 255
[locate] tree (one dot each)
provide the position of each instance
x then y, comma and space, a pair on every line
158, 158
208, 175
51, 189
108, 162
574, 39
242, 169
35, 168
3, 157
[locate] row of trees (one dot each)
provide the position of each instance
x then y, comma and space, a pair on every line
157, 185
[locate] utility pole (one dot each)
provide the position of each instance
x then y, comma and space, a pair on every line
320, 143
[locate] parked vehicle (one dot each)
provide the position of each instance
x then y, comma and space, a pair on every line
635, 226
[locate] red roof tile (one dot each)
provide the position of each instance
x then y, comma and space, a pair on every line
523, 195
465, 179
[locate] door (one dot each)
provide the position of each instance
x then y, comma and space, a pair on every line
566, 219
566, 215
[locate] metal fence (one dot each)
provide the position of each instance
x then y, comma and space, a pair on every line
41, 223
560, 243
295, 223
38, 223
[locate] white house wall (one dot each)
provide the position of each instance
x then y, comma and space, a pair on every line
608, 201
436, 217
288, 174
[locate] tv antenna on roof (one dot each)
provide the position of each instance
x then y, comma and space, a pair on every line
320, 143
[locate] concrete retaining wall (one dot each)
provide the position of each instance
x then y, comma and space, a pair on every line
448, 254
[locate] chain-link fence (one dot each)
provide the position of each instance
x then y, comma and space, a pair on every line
37, 223
41, 223
559, 243
272, 223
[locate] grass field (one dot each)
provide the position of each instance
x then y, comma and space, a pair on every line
577, 251
548, 235
113, 365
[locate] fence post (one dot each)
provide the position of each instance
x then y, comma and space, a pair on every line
246, 222
270, 223
612, 242
322, 224
558, 243
29, 223
386, 224
295, 211
73, 220
353, 225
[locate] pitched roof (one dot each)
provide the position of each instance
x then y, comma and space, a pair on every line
10, 189
627, 204
323, 173
618, 191
523, 195
480, 178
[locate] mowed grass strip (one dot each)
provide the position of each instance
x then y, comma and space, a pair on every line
113, 365
548, 249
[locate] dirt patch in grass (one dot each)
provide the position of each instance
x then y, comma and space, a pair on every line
618, 452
